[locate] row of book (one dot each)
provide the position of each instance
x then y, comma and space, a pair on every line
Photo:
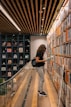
69, 35
66, 73
66, 23
63, 38
67, 63
58, 59
63, 61
63, 49
56, 81
65, 10
65, 18
57, 68
66, 95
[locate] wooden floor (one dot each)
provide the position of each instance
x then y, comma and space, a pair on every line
30, 95
51, 99
44, 101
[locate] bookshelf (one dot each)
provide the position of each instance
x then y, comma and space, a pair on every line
14, 54
59, 42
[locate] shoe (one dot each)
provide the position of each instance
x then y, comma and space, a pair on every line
42, 93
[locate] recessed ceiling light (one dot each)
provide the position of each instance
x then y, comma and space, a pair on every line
41, 11
43, 8
43, 19
42, 26
9, 17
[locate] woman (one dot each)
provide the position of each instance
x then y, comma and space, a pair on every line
40, 67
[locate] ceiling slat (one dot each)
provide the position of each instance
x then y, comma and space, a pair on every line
40, 16
44, 11
46, 20
30, 15
36, 5
33, 15
27, 19
21, 13
51, 15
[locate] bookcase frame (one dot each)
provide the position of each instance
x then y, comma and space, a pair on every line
14, 53
59, 42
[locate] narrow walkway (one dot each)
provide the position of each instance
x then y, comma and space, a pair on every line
51, 99
31, 96
43, 101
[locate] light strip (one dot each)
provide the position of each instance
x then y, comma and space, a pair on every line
9, 17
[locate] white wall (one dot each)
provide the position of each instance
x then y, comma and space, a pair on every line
36, 41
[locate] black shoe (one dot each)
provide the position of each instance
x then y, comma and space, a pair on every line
42, 93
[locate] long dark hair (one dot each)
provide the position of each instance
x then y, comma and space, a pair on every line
41, 49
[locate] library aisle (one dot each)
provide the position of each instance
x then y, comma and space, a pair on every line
50, 100
25, 90
24, 26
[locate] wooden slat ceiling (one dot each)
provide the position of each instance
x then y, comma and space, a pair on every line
30, 15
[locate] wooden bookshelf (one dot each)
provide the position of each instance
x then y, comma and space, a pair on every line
60, 47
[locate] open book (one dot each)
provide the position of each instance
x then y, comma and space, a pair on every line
49, 57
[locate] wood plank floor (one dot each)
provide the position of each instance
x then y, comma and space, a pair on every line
51, 99
44, 101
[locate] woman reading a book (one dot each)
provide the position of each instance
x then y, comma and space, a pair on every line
40, 67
